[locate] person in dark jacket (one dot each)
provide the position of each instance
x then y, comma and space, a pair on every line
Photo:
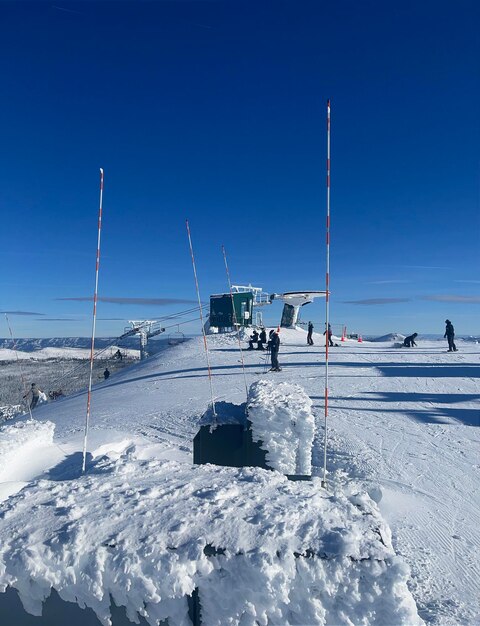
309, 334
253, 339
262, 338
106, 373
274, 346
409, 341
450, 335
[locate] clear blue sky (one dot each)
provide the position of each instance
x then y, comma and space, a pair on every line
215, 111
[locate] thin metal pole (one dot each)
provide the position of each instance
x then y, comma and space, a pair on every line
201, 321
235, 321
19, 365
95, 297
327, 299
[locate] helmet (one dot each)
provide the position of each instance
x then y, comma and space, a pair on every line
448, 322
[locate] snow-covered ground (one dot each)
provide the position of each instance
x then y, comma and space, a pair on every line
403, 427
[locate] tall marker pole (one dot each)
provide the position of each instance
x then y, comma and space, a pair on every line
95, 297
327, 298
235, 321
18, 363
201, 320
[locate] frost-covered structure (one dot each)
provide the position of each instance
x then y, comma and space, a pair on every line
257, 548
282, 421
276, 431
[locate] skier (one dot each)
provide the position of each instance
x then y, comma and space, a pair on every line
106, 373
118, 355
409, 341
35, 392
330, 342
450, 335
253, 339
309, 334
274, 346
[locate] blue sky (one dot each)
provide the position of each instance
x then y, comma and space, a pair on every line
215, 111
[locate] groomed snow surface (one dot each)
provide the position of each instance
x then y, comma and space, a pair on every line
393, 540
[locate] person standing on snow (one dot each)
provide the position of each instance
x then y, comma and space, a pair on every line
106, 373
409, 342
35, 393
330, 342
274, 346
450, 335
309, 334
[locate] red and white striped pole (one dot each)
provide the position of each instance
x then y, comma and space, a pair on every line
235, 321
207, 356
327, 298
95, 297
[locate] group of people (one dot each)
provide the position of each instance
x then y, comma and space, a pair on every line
409, 342
326, 332
34, 394
273, 345
258, 338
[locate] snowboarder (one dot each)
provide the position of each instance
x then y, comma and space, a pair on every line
118, 355
106, 373
330, 342
450, 335
35, 393
409, 341
274, 346
253, 339
309, 334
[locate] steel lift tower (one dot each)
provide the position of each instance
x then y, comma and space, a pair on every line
146, 329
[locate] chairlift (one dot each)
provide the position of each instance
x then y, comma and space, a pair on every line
175, 338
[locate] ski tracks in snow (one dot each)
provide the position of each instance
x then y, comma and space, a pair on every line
394, 434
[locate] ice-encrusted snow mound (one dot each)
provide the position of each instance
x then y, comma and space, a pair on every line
282, 419
259, 548
22, 438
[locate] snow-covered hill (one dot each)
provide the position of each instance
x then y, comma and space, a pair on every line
402, 458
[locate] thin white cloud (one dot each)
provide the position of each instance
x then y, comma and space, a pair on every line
373, 301
20, 313
452, 298
388, 282
138, 301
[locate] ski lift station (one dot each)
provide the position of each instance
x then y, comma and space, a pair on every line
241, 307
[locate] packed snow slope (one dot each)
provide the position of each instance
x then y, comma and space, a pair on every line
403, 425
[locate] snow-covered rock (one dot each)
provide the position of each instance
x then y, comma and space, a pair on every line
259, 548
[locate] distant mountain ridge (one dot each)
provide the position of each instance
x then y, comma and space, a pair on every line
35, 344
